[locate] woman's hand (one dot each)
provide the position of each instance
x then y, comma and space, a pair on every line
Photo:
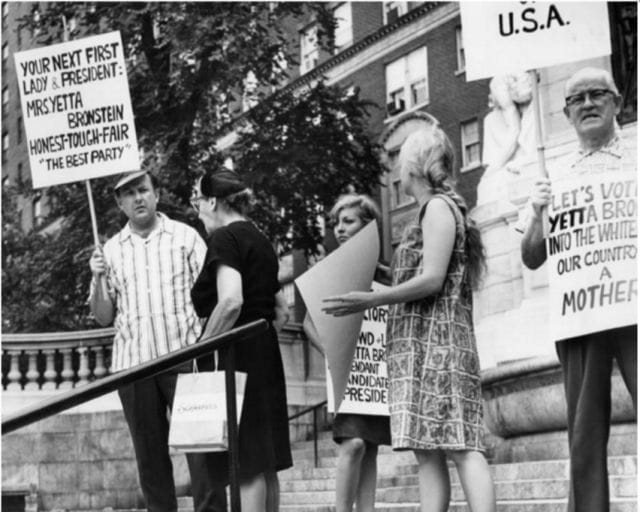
350, 303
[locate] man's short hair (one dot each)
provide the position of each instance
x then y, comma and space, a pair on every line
594, 73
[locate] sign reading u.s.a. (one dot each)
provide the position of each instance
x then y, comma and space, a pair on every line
509, 37
77, 110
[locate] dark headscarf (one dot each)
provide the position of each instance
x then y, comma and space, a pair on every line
221, 182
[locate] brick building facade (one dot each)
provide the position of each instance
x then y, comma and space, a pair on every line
15, 157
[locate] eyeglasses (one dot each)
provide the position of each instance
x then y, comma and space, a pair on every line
596, 95
195, 200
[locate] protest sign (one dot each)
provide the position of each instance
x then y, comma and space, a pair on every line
77, 110
509, 37
349, 268
367, 387
592, 254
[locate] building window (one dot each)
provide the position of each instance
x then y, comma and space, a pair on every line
459, 51
35, 28
19, 129
37, 211
5, 145
19, 38
407, 82
19, 175
470, 137
5, 98
5, 56
344, 28
309, 49
393, 10
279, 67
398, 197
5, 14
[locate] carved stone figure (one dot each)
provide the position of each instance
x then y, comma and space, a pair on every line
509, 136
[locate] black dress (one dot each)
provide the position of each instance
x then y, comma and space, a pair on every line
264, 428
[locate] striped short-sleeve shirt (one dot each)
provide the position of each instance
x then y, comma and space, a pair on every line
150, 280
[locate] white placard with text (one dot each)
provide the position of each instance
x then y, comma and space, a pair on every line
77, 110
367, 387
592, 248
510, 37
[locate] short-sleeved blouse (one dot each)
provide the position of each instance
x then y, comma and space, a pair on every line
264, 427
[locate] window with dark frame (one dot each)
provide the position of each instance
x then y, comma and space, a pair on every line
470, 141
407, 82
460, 62
5, 99
394, 10
5, 56
344, 26
309, 49
5, 14
5, 145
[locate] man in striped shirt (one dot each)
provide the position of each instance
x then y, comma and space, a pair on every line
150, 267
592, 102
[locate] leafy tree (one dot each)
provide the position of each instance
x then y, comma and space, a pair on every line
187, 62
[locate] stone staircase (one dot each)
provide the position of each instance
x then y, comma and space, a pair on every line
535, 486
532, 486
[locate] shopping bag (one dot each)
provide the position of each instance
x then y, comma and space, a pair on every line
199, 413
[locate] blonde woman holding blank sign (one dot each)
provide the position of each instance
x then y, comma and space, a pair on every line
434, 374
358, 435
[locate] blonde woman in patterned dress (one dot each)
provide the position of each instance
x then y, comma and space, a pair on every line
435, 397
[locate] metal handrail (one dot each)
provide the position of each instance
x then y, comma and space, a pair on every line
112, 382
313, 408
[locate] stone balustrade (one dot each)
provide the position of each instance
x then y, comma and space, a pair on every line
54, 361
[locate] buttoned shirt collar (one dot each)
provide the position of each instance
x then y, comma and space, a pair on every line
613, 148
164, 224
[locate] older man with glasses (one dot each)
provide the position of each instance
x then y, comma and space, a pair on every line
592, 103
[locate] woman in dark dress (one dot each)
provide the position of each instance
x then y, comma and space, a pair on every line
237, 285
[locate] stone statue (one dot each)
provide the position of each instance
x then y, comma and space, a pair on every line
509, 134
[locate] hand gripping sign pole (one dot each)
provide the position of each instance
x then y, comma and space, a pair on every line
542, 165
102, 283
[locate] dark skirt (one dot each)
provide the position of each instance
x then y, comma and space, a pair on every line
372, 429
264, 425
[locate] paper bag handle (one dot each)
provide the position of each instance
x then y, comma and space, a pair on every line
194, 364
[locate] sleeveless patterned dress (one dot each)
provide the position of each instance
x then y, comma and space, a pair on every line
435, 397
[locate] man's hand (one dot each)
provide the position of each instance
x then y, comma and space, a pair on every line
100, 302
541, 196
97, 263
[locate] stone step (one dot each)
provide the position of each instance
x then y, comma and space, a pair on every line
538, 486
404, 464
541, 489
511, 506
404, 487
